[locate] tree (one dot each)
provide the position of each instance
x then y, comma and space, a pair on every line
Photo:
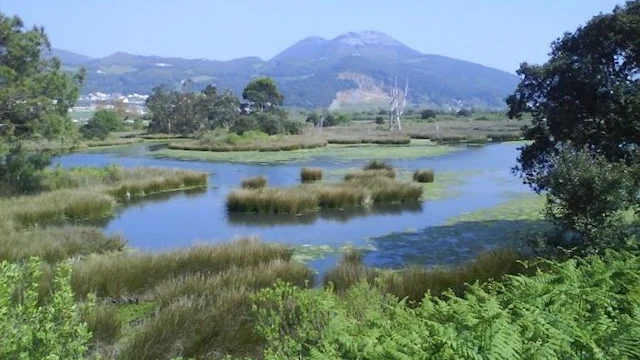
263, 93
587, 95
427, 114
20, 171
221, 109
109, 118
35, 94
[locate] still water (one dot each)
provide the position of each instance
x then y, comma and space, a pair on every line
182, 219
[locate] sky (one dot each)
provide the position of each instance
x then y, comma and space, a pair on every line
496, 33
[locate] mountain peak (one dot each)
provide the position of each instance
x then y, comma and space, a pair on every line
367, 37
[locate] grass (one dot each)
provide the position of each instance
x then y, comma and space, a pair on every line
134, 274
257, 182
56, 244
310, 174
412, 283
233, 142
423, 176
375, 187
368, 174
417, 149
380, 139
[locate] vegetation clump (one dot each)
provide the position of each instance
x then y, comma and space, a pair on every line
378, 165
250, 141
423, 176
257, 182
368, 174
310, 174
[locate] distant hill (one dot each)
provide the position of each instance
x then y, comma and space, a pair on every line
354, 69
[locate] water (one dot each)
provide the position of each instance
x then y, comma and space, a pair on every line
183, 219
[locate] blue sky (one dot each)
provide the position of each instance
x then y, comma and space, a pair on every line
497, 33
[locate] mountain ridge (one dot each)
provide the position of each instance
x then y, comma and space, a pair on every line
311, 72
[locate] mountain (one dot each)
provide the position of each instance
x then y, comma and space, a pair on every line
353, 69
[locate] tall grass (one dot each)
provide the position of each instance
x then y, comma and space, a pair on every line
380, 140
272, 201
206, 316
310, 174
252, 143
412, 283
258, 182
423, 176
368, 174
56, 244
131, 274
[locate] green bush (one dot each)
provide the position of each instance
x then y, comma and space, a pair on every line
380, 120
20, 171
423, 176
35, 330
427, 114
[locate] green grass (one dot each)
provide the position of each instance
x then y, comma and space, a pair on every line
380, 140
310, 174
423, 176
56, 244
250, 141
417, 149
257, 182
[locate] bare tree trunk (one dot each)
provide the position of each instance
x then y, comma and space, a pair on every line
397, 105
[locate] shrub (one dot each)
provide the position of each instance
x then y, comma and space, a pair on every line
34, 330
380, 120
310, 174
464, 112
258, 182
423, 176
378, 165
20, 171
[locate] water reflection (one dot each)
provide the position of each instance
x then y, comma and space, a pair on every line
338, 215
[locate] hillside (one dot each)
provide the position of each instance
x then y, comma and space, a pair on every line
355, 68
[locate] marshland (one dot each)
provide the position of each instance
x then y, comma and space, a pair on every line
199, 222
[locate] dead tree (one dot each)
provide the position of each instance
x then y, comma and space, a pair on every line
397, 105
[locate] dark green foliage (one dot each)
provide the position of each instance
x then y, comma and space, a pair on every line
109, 119
579, 309
258, 182
427, 114
36, 95
464, 112
244, 123
20, 171
380, 120
587, 195
263, 93
585, 95
94, 130
423, 176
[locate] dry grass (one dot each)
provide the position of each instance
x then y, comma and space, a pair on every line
423, 176
272, 201
310, 174
378, 165
368, 174
257, 182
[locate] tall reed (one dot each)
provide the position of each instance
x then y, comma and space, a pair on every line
310, 174
257, 182
378, 165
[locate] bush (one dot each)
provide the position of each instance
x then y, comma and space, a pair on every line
427, 114
94, 130
464, 112
378, 165
423, 176
380, 120
35, 330
20, 171
310, 174
258, 182
586, 195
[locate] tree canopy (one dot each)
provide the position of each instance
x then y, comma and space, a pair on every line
263, 93
587, 96
35, 94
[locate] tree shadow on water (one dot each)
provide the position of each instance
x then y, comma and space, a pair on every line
450, 244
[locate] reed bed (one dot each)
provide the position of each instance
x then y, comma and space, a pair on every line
134, 274
274, 143
257, 182
77, 204
378, 165
380, 140
113, 142
423, 176
412, 283
309, 198
310, 174
368, 174
56, 244
164, 136
201, 315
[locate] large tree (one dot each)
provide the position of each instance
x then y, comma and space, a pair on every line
586, 96
35, 94
263, 93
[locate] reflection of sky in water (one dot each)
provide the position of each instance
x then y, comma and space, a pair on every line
181, 220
